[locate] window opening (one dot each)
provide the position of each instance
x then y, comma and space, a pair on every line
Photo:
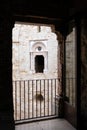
35, 71
39, 48
39, 64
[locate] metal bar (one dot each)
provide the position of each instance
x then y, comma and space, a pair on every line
44, 97
71, 90
40, 98
20, 99
68, 88
48, 97
15, 100
35, 79
28, 99
32, 99
55, 95
51, 98
36, 98
24, 100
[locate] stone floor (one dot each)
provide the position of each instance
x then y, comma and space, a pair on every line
53, 124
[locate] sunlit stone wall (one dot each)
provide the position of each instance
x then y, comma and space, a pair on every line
25, 36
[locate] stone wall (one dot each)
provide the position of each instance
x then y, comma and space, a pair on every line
24, 36
70, 59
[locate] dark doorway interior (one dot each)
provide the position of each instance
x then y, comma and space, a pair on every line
39, 64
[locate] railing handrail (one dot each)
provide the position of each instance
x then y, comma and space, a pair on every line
35, 100
36, 79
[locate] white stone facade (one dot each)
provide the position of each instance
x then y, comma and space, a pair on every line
26, 39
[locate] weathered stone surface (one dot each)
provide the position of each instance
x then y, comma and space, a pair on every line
70, 57
24, 37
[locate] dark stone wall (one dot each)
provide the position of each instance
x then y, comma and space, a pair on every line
84, 73
6, 101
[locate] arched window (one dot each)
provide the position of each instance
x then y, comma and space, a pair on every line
39, 64
38, 56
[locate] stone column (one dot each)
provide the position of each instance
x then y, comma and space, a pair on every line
6, 96
45, 55
60, 97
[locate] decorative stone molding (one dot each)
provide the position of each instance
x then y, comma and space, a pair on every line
38, 47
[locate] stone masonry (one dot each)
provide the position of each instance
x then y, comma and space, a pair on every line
25, 38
